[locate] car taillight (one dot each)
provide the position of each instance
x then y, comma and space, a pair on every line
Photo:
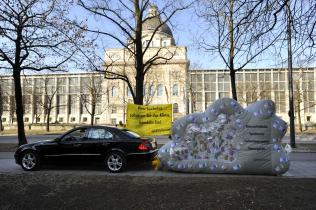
144, 146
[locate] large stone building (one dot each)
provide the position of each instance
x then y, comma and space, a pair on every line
166, 80
70, 98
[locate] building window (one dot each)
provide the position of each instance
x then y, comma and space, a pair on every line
61, 119
175, 108
38, 119
73, 105
159, 90
129, 93
98, 107
113, 121
97, 120
151, 90
73, 119
26, 119
209, 98
84, 119
175, 90
4, 119
308, 118
114, 91
62, 85
61, 104
114, 110
223, 94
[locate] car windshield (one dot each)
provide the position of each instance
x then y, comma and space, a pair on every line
131, 134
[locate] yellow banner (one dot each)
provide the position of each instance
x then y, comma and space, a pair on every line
149, 120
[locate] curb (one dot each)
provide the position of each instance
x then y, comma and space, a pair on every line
303, 151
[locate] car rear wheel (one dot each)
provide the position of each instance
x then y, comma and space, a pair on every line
115, 162
29, 161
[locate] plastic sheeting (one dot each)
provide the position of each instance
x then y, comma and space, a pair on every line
228, 139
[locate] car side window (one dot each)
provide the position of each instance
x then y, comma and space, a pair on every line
100, 134
75, 135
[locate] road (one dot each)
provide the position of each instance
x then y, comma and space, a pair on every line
303, 165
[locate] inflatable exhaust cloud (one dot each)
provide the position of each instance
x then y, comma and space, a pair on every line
228, 139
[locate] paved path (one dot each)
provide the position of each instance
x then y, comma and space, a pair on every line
303, 165
30, 138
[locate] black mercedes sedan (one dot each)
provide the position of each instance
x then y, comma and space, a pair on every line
115, 146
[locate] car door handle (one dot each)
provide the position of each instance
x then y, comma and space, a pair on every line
105, 143
77, 145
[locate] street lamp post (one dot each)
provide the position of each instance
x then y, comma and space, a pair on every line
290, 75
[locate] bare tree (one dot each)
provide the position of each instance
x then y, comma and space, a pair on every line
299, 22
37, 108
47, 98
4, 102
12, 109
303, 88
44, 97
128, 18
91, 96
243, 31
34, 37
191, 87
298, 95
248, 95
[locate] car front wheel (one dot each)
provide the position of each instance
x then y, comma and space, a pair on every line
29, 161
115, 162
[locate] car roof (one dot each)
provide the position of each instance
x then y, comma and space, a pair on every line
97, 126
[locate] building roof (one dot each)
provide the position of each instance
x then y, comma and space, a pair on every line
153, 21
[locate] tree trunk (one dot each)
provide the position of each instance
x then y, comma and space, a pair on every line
92, 114
19, 106
139, 56
233, 83
299, 119
1, 126
47, 120
232, 50
139, 89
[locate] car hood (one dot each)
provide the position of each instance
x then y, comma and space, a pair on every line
44, 142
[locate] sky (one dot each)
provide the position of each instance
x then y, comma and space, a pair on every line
186, 27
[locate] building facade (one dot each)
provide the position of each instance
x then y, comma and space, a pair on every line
206, 86
70, 96
83, 98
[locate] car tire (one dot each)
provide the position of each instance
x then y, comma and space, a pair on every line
30, 161
115, 162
